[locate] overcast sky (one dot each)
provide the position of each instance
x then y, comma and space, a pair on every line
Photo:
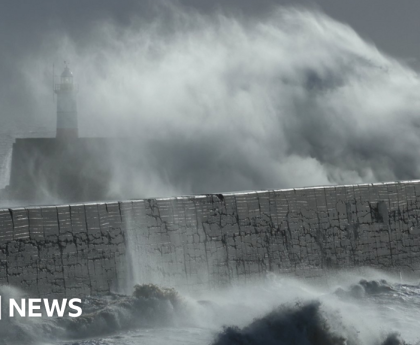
226, 95
393, 26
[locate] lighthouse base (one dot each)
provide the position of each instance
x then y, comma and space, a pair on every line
65, 168
67, 133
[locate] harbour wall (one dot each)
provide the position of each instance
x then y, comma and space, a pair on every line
212, 240
58, 251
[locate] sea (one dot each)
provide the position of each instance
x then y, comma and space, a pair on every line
370, 309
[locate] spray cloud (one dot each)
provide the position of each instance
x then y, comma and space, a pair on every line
218, 104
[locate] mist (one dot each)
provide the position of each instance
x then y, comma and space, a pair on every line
216, 103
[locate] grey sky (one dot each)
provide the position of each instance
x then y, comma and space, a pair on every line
393, 26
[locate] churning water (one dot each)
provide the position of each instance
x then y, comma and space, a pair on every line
277, 310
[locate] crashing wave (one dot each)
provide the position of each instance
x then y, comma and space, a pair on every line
302, 323
366, 288
324, 319
149, 306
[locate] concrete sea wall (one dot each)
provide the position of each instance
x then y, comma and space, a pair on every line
211, 240
62, 251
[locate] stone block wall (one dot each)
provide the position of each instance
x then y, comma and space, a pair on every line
213, 240
62, 251
205, 241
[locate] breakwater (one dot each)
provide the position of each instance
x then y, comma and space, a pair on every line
210, 240
62, 251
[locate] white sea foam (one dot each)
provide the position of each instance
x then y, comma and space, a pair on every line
274, 311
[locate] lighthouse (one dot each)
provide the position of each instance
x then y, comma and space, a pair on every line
66, 106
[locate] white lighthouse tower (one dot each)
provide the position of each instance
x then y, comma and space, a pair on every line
66, 106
